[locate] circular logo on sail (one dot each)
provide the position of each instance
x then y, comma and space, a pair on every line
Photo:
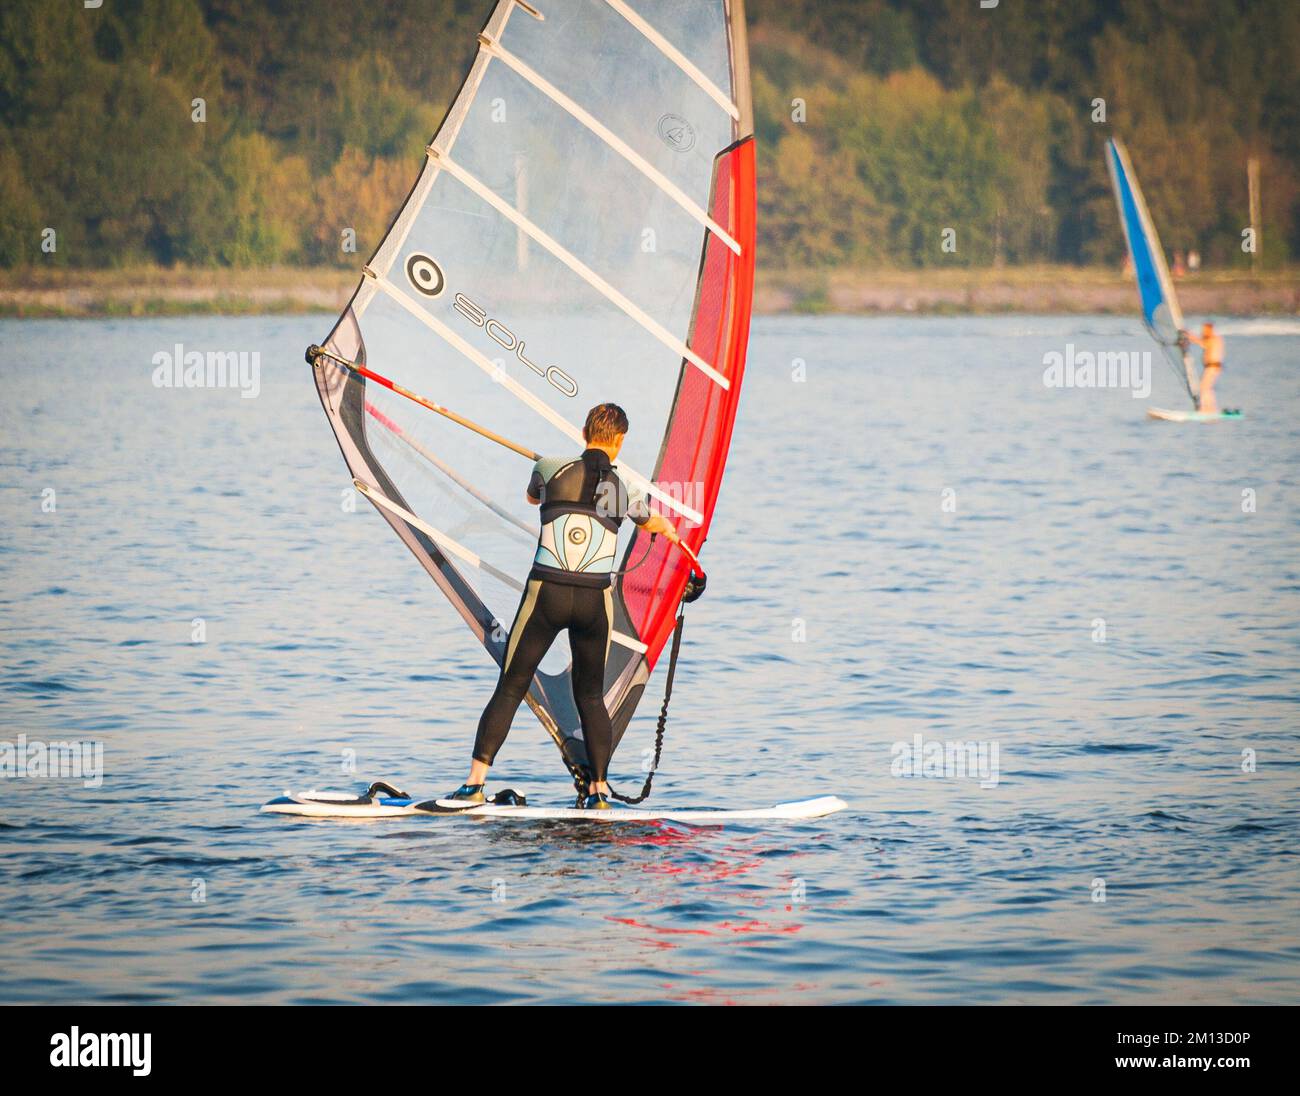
426, 275
677, 133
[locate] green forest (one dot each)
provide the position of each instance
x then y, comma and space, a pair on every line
880, 122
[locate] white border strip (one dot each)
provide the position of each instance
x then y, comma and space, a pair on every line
495, 49
457, 549
677, 57
577, 266
520, 392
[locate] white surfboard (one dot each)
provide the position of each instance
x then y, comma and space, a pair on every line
1191, 416
343, 805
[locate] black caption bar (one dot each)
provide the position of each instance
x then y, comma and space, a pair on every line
337, 1046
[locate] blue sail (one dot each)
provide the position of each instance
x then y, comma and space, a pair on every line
1160, 310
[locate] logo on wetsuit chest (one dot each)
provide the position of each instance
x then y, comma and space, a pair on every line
429, 280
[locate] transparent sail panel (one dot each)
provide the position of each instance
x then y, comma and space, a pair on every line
595, 56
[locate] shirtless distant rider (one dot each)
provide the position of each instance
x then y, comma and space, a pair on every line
1211, 344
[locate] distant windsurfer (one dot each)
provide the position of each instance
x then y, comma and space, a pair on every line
583, 502
1211, 344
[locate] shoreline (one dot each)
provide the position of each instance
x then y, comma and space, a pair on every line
155, 291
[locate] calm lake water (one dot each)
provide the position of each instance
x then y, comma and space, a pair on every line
918, 539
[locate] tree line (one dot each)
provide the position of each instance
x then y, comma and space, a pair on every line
894, 133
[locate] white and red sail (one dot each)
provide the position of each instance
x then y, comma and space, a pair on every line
582, 232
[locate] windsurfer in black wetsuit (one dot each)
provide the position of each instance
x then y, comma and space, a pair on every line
583, 501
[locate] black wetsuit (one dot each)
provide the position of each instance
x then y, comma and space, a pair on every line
583, 504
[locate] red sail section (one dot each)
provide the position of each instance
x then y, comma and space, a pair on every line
695, 448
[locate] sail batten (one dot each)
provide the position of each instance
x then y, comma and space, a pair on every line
581, 231
669, 50
461, 481
581, 269
610, 138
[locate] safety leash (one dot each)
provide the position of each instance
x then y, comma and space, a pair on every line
663, 716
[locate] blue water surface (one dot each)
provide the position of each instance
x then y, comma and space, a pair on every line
916, 538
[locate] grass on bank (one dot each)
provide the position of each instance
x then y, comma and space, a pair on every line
177, 291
